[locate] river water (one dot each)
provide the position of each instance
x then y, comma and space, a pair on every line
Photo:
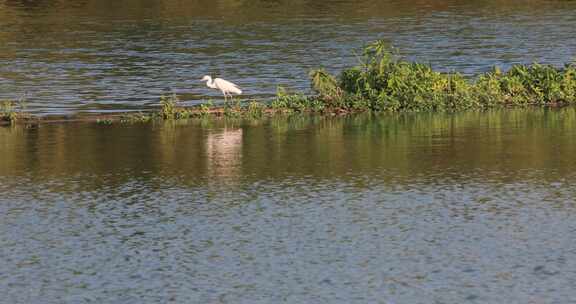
412, 208
69, 56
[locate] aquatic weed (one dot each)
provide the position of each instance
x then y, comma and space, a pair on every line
138, 117
205, 108
255, 109
169, 106
289, 102
104, 121
383, 81
12, 111
233, 109
8, 111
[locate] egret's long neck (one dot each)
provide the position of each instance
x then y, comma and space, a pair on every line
210, 83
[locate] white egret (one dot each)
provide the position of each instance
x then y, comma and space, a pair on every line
226, 87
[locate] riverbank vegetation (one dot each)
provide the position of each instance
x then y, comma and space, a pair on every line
382, 81
12, 111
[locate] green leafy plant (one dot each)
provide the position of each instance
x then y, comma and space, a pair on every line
169, 106
12, 111
205, 108
255, 109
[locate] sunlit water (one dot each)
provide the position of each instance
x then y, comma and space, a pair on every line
104, 55
466, 208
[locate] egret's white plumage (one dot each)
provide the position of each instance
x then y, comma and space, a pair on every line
226, 87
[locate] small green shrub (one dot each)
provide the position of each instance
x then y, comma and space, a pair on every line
233, 110
8, 111
12, 111
290, 102
327, 88
205, 108
255, 109
183, 114
169, 106
171, 110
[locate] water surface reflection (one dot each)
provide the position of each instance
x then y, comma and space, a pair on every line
224, 152
470, 207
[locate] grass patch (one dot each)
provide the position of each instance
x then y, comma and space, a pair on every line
136, 117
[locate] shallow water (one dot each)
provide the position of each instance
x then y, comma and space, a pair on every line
105, 55
466, 208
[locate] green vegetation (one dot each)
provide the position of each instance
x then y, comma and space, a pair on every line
255, 109
104, 121
136, 117
381, 82
171, 110
8, 111
205, 108
12, 111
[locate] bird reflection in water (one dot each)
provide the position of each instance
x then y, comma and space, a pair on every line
224, 152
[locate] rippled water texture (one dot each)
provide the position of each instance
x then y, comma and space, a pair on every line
106, 55
467, 208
